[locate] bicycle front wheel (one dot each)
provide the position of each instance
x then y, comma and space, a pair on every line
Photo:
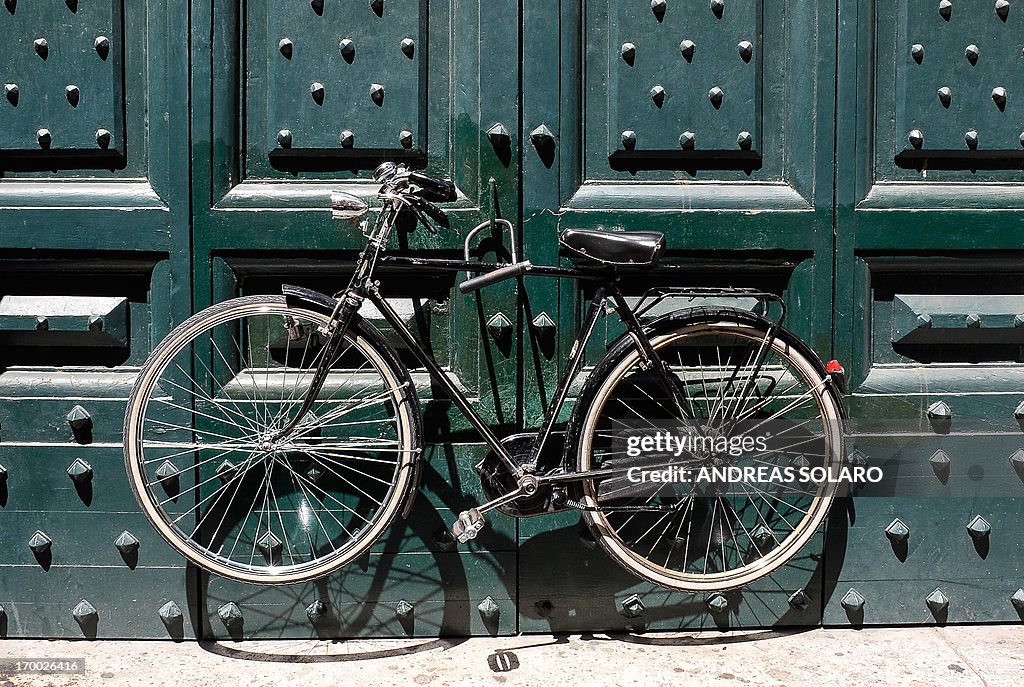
729, 475
204, 464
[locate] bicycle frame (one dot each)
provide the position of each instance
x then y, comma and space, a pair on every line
363, 287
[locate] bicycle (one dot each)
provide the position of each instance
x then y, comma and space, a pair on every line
274, 438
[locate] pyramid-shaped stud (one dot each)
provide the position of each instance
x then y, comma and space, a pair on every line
499, 326
945, 94
687, 48
84, 611
857, 458
718, 7
939, 410
270, 546
169, 613
658, 7
658, 95
79, 471
1018, 412
945, 9
687, 140
633, 606
897, 531
916, 138
628, 53
717, 603
42, 47
347, 139
542, 136
543, 324
79, 419
103, 138
746, 50
628, 139
498, 135
226, 470
972, 52
102, 46
404, 609
317, 92
347, 48
488, 608
1017, 462
1002, 9
3, 612
917, 52
40, 542
314, 473
939, 460
762, 536
230, 614
799, 600
937, 602
127, 543
316, 611
377, 7
377, 94
979, 527
3, 473
853, 600
1017, 599
12, 93
286, 48
166, 471
405, 138
715, 96
317, 6
408, 46
284, 138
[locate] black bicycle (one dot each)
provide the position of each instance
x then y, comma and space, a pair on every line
273, 439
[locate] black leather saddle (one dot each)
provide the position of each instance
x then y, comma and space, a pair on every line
636, 248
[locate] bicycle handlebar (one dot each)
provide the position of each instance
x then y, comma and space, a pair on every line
432, 188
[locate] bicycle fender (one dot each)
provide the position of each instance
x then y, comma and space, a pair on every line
321, 302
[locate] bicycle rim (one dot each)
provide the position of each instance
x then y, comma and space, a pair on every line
694, 536
203, 463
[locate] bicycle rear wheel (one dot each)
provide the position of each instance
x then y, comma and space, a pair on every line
204, 465
668, 522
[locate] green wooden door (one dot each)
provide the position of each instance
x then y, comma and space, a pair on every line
710, 122
929, 301
94, 268
291, 102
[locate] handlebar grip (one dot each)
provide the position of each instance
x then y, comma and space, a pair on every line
437, 190
495, 276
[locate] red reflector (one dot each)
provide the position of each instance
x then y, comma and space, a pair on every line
834, 367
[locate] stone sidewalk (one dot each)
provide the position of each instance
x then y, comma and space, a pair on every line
950, 656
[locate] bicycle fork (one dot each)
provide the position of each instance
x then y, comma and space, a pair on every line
344, 312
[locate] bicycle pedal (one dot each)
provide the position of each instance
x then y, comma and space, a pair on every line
468, 525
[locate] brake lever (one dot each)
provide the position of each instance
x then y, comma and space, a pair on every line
435, 213
423, 218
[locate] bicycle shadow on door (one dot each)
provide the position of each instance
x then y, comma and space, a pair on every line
414, 582
568, 585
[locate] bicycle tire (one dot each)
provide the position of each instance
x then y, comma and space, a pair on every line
669, 561
328, 492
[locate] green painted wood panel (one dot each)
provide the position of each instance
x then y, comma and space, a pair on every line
94, 222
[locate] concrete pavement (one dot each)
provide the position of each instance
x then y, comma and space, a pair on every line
992, 656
